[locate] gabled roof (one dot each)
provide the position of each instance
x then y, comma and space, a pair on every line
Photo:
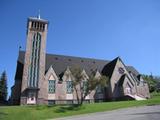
108, 68
61, 62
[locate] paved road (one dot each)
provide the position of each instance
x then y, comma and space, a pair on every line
135, 113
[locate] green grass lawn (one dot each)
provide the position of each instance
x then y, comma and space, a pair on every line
42, 112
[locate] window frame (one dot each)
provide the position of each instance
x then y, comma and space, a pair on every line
85, 85
51, 86
69, 87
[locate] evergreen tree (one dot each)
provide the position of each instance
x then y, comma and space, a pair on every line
3, 87
0, 90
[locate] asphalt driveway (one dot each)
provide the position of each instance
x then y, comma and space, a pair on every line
134, 113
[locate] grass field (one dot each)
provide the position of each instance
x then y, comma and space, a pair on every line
42, 112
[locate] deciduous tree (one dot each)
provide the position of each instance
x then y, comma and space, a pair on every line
83, 85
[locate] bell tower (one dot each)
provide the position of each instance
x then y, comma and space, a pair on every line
34, 64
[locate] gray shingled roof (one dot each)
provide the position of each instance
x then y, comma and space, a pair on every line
133, 70
61, 62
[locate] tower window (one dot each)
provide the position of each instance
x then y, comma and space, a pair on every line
43, 26
34, 67
32, 25
38, 25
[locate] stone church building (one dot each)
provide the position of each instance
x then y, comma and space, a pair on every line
42, 78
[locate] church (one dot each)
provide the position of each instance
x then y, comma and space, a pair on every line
42, 78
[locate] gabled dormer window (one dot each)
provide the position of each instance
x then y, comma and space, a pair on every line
69, 87
51, 86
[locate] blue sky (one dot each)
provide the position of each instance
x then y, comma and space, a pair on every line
102, 29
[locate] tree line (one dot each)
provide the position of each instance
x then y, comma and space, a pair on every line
153, 82
3, 87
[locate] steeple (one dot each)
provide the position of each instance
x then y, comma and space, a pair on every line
34, 65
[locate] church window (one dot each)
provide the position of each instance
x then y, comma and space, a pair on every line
32, 25
69, 87
99, 89
43, 26
35, 25
34, 67
121, 70
40, 26
85, 86
51, 86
